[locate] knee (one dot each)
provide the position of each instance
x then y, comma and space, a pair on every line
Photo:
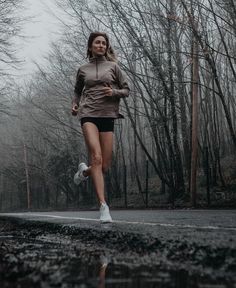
96, 159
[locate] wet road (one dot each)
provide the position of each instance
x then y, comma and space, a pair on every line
166, 248
182, 218
216, 226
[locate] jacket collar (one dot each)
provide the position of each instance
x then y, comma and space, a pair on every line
98, 59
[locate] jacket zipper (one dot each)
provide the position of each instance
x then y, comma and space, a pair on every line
96, 68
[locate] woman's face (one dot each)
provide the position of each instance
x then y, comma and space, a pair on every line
99, 46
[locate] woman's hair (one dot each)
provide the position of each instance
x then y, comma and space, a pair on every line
109, 54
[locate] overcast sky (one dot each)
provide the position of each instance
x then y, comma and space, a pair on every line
40, 31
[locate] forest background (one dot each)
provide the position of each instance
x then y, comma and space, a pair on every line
176, 146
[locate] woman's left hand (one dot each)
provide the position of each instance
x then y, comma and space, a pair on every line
107, 90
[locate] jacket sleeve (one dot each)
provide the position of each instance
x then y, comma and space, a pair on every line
122, 83
79, 86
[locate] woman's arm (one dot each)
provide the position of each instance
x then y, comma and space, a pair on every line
122, 84
79, 86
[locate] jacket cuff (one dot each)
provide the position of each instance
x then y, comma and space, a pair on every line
119, 93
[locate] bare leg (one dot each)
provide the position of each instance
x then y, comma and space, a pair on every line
91, 135
106, 143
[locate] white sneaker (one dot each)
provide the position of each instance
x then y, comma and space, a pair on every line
105, 216
79, 175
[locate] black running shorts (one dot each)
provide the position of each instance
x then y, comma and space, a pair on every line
103, 124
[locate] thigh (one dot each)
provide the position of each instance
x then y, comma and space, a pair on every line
106, 142
92, 138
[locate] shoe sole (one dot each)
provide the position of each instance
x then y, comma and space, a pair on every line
106, 221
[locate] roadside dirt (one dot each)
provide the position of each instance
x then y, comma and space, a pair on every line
45, 255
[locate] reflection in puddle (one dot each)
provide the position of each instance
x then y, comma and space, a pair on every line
103, 273
122, 276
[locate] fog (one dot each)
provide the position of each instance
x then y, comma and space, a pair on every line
38, 32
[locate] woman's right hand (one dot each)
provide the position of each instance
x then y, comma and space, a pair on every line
75, 109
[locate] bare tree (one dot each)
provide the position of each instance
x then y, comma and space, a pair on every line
154, 40
10, 27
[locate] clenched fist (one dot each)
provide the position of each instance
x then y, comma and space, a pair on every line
75, 109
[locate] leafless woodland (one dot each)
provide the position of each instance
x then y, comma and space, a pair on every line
176, 146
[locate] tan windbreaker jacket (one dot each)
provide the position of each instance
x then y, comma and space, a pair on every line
90, 78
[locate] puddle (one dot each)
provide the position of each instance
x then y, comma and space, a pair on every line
34, 263
109, 275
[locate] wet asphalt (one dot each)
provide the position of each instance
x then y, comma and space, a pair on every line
141, 248
211, 227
